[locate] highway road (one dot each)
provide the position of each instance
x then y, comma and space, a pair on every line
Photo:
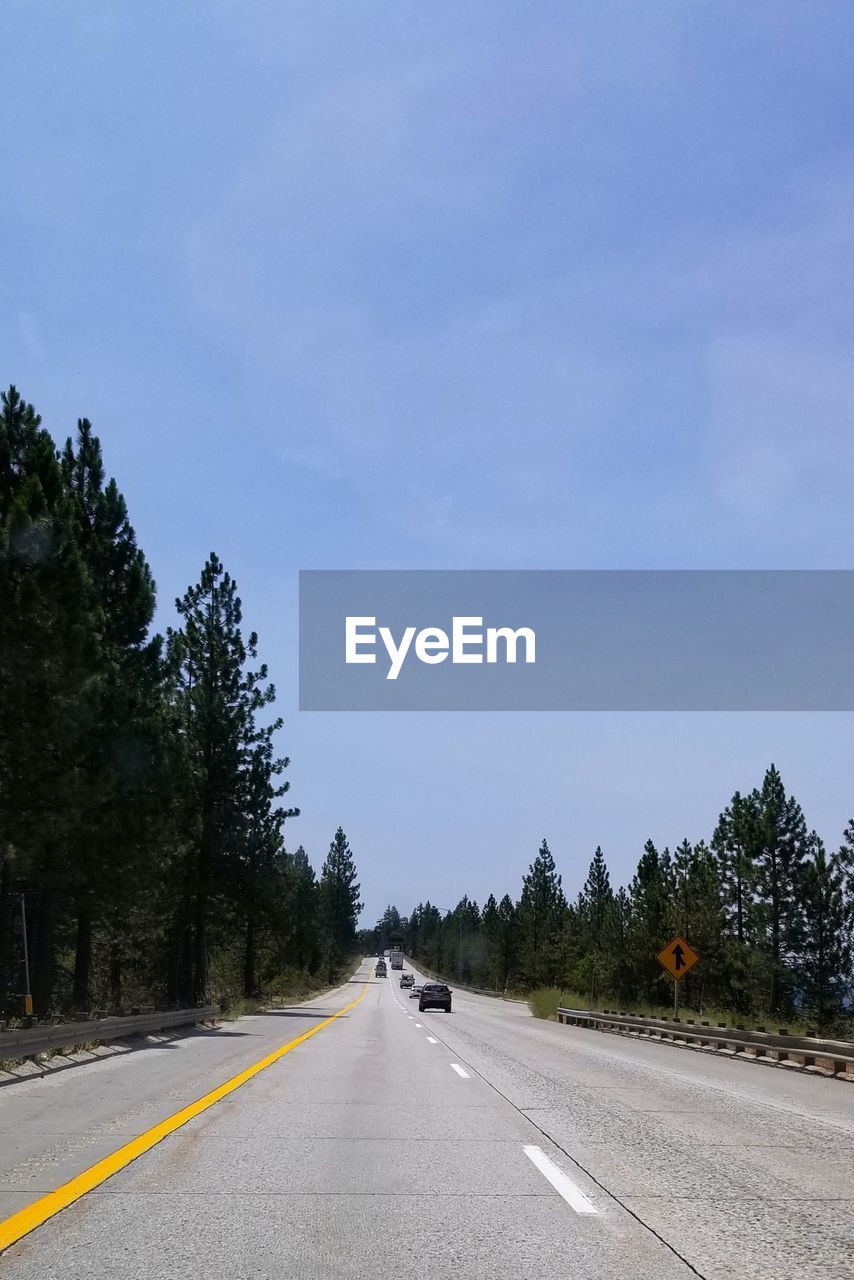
483, 1143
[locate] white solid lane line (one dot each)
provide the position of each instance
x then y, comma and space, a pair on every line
563, 1185
432, 1040
455, 1066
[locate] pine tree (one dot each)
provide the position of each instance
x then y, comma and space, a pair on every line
305, 906
698, 915
781, 845
846, 855
49, 645
412, 934
339, 903
734, 843
592, 912
390, 929
491, 931
114, 838
216, 700
596, 896
261, 888
619, 921
429, 927
506, 941
462, 932
540, 917
651, 894
826, 951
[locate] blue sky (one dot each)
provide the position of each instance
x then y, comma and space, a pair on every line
454, 286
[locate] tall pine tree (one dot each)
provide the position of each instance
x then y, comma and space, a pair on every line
110, 844
216, 700
734, 843
339, 904
780, 849
539, 918
305, 907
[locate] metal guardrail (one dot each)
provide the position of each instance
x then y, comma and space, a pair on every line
27, 1042
797, 1050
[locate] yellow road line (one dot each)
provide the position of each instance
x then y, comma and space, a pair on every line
27, 1219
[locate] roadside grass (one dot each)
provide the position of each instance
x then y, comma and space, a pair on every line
545, 1002
293, 987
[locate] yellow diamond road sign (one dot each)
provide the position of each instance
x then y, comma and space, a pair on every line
677, 957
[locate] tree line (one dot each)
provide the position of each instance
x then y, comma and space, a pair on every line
769, 910
141, 786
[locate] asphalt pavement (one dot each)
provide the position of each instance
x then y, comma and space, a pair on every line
483, 1143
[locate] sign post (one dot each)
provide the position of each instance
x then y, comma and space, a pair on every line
28, 995
678, 958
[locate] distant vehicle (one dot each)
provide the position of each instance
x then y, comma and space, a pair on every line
434, 995
396, 958
416, 991
381, 971
407, 980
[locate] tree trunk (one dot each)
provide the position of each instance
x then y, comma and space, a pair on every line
207, 840
185, 979
200, 949
82, 957
6, 975
173, 965
250, 987
43, 953
115, 973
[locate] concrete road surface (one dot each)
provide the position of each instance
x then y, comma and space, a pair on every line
483, 1143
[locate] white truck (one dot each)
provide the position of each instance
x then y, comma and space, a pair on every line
396, 958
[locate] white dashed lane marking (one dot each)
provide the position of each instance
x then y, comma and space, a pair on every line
563, 1185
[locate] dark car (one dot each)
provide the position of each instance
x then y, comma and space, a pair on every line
407, 980
434, 995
